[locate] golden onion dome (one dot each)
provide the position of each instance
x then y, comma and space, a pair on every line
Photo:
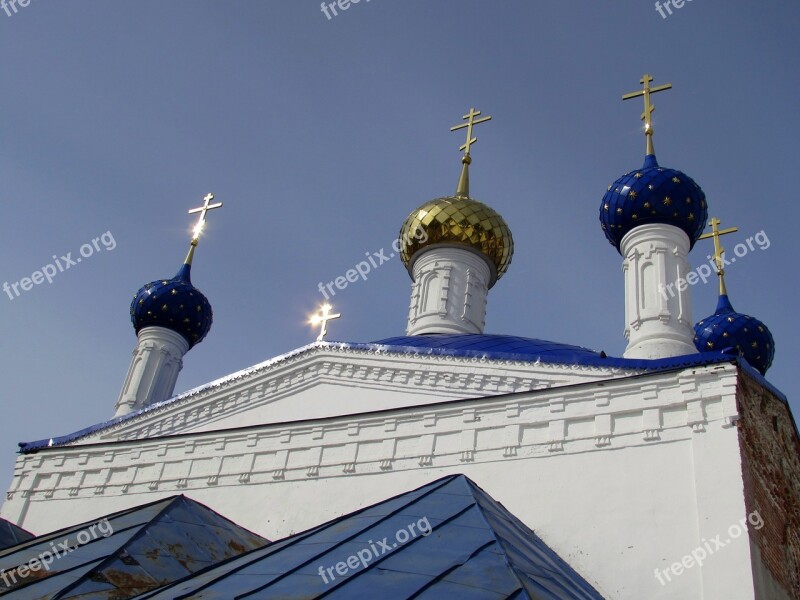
461, 221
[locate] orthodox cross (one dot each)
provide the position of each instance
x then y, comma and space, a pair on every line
202, 220
470, 118
719, 251
323, 318
648, 106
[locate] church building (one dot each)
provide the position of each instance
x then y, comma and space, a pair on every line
446, 462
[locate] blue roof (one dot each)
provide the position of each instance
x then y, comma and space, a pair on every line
653, 194
478, 346
512, 347
125, 553
11, 535
447, 539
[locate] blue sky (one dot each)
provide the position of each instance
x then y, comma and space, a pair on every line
320, 136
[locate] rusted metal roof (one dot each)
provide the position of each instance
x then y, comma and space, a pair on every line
124, 554
446, 540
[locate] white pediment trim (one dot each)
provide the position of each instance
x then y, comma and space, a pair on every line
427, 376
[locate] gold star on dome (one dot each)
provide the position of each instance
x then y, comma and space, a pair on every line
605, 206
619, 211
638, 175
676, 180
667, 201
632, 194
691, 216
646, 204
710, 344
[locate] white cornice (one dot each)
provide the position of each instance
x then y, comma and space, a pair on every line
591, 417
378, 368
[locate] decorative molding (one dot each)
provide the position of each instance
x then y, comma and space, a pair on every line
326, 362
478, 430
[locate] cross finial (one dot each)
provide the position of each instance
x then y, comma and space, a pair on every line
719, 251
470, 122
648, 107
201, 221
462, 191
322, 318
203, 210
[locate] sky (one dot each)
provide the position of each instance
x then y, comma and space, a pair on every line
321, 133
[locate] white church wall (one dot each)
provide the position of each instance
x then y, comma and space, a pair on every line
619, 477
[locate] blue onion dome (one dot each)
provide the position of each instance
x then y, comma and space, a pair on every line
730, 332
653, 194
174, 304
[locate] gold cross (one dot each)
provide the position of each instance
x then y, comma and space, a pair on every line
648, 107
719, 251
323, 319
470, 118
202, 220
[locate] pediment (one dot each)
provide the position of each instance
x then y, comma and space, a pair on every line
328, 380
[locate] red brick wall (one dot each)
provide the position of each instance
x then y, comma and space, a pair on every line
771, 465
